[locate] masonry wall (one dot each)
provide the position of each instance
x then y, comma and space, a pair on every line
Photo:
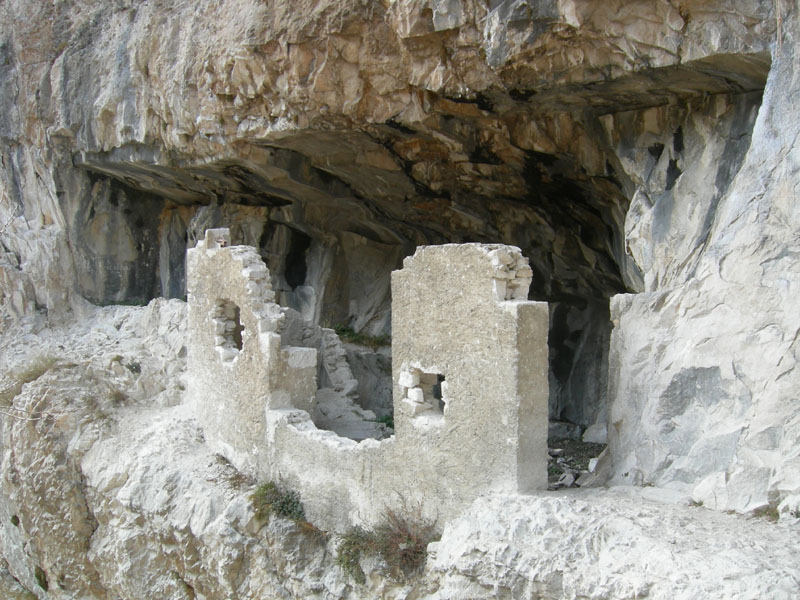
461, 310
230, 388
459, 314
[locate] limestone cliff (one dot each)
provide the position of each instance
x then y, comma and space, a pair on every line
643, 155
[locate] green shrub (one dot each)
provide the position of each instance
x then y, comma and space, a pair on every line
41, 578
272, 499
269, 499
348, 334
387, 420
354, 544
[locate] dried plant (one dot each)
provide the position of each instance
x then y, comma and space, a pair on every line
401, 539
28, 373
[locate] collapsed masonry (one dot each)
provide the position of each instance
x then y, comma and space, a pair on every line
470, 383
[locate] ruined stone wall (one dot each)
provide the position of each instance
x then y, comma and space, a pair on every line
459, 312
236, 359
643, 150
339, 136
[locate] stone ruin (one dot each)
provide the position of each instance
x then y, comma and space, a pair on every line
469, 355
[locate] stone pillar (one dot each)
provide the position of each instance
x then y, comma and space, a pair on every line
469, 355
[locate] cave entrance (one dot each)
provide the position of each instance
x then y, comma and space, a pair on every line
296, 268
331, 261
589, 195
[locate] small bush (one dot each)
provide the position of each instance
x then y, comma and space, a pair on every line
134, 367
354, 544
269, 499
41, 578
402, 541
770, 513
554, 470
387, 420
348, 334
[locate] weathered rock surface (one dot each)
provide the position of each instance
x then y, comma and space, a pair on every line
703, 365
337, 137
645, 152
614, 543
113, 496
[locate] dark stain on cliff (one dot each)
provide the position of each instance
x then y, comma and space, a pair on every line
673, 172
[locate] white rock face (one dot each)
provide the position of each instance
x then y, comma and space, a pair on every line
645, 151
610, 544
703, 368
129, 502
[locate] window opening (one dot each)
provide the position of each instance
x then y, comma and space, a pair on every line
424, 390
228, 330
437, 393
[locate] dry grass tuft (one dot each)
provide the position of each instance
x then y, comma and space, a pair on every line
401, 539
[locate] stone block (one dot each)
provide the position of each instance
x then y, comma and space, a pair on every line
408, 379
416, 394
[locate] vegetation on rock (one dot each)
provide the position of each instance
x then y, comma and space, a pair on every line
400, 539
272, 499
269, 498
349, 335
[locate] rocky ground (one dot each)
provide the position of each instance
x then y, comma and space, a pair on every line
571, 462
109, 491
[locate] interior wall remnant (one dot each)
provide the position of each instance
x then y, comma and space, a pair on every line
461, 323
228, 388
373, 371
336, 405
